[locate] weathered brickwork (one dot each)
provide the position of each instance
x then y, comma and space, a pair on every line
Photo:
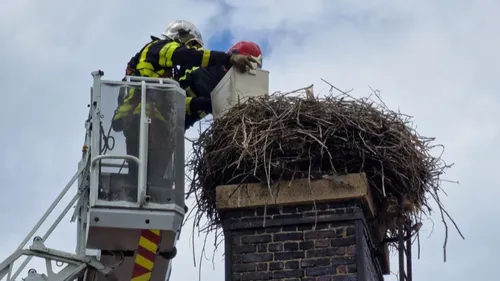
370, 265
297, 243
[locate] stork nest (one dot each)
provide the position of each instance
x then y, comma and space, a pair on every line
281, 137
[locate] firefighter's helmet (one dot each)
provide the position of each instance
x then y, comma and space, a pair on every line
185, 32
248, 48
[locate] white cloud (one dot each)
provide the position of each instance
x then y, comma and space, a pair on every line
437, 61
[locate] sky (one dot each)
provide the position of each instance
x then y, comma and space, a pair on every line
434, 60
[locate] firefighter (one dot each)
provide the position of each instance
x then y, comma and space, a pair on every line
180, 45
200, 81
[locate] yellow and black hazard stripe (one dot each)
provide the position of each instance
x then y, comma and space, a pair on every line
145, 255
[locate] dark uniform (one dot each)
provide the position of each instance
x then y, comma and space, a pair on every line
158, 59
199, 83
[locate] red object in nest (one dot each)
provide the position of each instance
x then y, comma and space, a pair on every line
247, 48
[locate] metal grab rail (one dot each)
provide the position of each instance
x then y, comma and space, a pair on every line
143, 148
125, 157
154, 80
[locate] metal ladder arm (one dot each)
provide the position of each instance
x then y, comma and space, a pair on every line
54, 225
6, 264
19, 251
76, 264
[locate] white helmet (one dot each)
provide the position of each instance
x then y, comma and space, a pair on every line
183, 31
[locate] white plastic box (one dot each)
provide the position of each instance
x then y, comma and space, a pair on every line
236, 87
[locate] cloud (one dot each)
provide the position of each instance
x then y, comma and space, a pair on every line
437, 61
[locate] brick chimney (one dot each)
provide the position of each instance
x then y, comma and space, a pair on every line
315, 230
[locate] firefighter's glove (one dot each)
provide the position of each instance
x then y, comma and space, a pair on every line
241, 62
202, 104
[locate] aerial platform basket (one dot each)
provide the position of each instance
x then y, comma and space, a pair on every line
149, 138
130, 180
